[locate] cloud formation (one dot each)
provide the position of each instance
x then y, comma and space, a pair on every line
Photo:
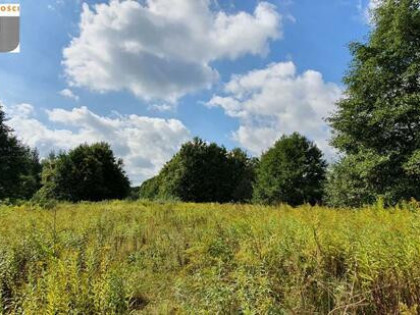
162, 49
69, 94
144, 143
277, 100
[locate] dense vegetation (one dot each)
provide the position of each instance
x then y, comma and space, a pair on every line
88, 172
202, 172
110, 258
292, 172
19, 166
377, 124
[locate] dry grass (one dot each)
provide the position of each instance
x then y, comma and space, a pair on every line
151, 258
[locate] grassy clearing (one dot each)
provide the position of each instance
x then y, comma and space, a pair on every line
152, 258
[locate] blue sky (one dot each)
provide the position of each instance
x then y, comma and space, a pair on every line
148, 75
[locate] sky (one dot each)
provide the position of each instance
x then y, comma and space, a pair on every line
149, 75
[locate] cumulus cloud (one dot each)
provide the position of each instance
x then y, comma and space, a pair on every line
144, 143
162, 49
277, 100
69, 94
21, 110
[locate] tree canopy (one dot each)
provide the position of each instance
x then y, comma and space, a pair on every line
377, 123
88, 172
19, 165
292, 171
203, 172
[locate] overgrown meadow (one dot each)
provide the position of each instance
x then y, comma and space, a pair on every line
163, 258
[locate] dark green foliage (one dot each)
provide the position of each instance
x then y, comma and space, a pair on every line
31, 176
292, 171
88, 172
345, 186
377, 124
19, 166
242, 169
149, 189
202, 172
134, 193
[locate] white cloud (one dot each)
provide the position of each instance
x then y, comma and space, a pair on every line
165, 107
21, 110
144, 143
162, 49
277, 100
69, 94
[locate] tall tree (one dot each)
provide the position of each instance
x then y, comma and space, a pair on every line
88, 172
377, 124
292, 171
19, 165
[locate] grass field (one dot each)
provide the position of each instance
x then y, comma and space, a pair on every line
151, 258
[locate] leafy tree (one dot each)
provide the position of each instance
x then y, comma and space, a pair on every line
345, 186
19, 166
149, 189
202, 172
242, 169
31, 176
292, 171
88, 172
377, 124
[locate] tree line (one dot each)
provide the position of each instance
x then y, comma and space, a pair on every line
292, 171
376, 129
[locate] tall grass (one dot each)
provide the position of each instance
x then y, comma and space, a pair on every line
151, 258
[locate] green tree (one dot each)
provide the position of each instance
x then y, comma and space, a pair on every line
242, 170
292, 171
202, 172
88, 172
377, 123
149, 189
345, 186
19, 166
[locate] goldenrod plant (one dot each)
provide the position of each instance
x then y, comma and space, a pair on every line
179, 258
